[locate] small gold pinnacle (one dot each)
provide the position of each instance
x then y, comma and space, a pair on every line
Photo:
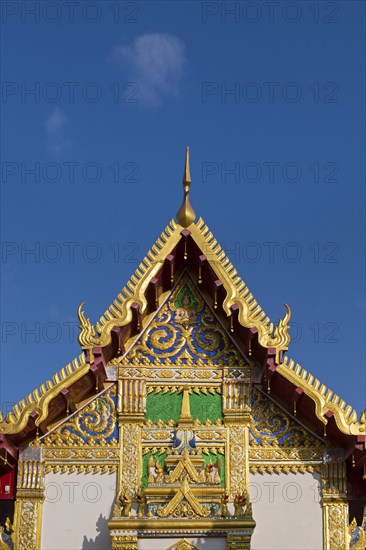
186, 215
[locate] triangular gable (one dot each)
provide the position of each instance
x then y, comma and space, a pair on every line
86, 441
272, 427
236, 302
250, 314
95, 424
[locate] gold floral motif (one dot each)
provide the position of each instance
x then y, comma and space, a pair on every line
160, 435
81, 453
209, 435
124, 542
286, 453
166, 373
335, 506
28, 523
336, 516
131, 463
92, 425
165, 339
238, 479
273, 428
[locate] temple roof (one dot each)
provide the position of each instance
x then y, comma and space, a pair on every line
187, 245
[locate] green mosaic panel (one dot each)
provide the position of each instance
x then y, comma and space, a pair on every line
163, 406
166, 406
206, 406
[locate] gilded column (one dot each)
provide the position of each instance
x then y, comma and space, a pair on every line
335, 507
132, 403
236, 411
29, 502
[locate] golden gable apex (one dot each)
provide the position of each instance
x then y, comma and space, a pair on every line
250, 314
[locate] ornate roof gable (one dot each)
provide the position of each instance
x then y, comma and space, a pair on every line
186, 245
250, 313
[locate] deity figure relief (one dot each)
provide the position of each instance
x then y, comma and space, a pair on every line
186, 311
213, 472
159, 471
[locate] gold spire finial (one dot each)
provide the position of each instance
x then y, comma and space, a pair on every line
186, 215
187, 172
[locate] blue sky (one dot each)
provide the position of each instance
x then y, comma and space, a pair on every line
270, 98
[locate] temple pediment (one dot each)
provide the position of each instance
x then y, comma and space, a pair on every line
180, 412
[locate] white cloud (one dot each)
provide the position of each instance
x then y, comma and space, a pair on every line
156, 62
55, 126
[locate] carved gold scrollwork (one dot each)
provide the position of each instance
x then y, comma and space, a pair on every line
335, 506
336, 522
131, 462
93, 425
238, 479
28, 522
200, 342
124, 542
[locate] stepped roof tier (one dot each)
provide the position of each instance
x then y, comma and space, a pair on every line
187, 245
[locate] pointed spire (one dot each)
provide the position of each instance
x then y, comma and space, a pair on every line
186, 215
187, 172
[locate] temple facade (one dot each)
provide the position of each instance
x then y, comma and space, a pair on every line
183, 424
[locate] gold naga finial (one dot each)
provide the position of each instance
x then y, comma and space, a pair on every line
186, 215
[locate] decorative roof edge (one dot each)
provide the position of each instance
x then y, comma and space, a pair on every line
324, 398
250, 313
119, 313
38, 401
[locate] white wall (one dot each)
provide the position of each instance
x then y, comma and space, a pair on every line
287, 510
207, 543
76, 510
